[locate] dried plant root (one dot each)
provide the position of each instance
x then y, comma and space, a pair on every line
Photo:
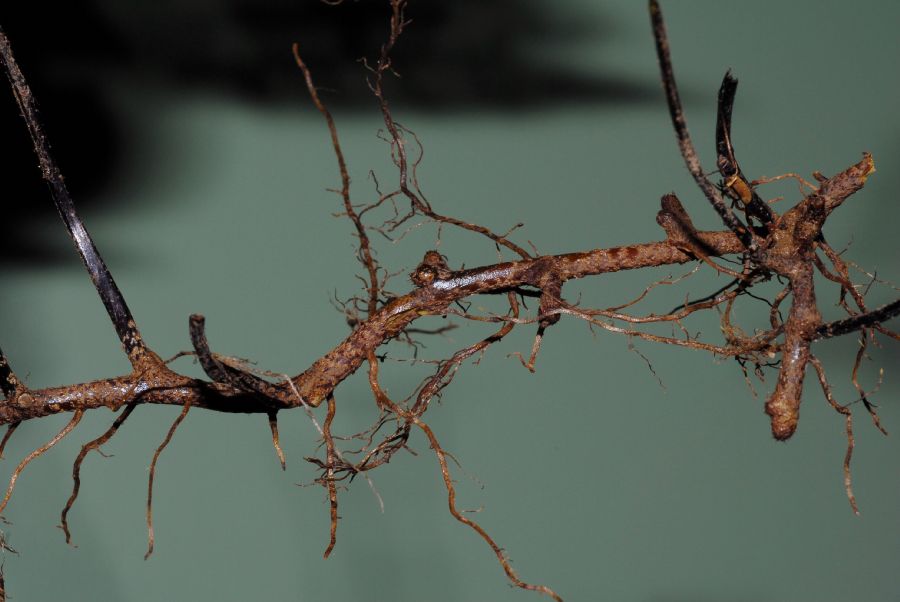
329, 476
451, 502
9, 431
76, 466
273, 426
159, 450
848, 417
76, 418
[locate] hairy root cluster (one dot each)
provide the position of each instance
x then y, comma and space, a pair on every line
789, 248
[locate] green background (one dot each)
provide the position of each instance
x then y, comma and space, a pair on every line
595, 479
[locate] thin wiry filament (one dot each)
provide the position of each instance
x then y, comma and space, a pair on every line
76, 418
162, 446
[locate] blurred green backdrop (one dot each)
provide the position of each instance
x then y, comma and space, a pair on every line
595, 479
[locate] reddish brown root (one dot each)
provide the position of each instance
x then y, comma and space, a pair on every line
159, 450
76, 466
9, 431
860, 354
451, 502
76, 418
329, 475
848, 417
365, 251
770, 245
800, 181
535, 349
273, 425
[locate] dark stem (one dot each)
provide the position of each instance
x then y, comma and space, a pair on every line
224, 374
688, 152
9, 384
736, 184
103, 281
858, 322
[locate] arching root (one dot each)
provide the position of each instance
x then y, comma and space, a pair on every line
162, 446
76, 418
848, 417
9, 431
451, 501
76, 466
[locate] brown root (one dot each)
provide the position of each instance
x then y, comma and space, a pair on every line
76, 466
73, 422
759, 244
273, 426
451, 503
328, 478
848, 418
9, 431
159, 450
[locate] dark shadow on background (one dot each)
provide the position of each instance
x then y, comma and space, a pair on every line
460, 55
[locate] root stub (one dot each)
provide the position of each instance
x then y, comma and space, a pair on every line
764, 244
784, 420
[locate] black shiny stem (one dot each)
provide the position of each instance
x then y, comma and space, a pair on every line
103, 281
855, 323
685, 145
726, 160
9, 384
